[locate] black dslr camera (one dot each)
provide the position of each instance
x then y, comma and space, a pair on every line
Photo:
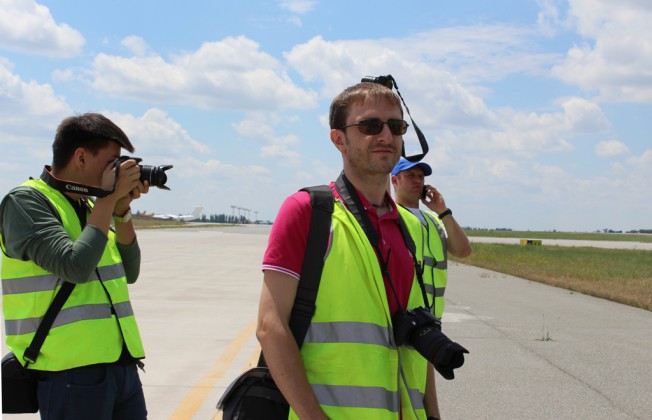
422, 330
154, 175
387, 81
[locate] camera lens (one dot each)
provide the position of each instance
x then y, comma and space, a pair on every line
443, 353
155, 175
422, 330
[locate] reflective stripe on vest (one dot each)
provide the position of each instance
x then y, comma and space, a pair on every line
436, 259
68, 316
356, 397
50, 281
348, 332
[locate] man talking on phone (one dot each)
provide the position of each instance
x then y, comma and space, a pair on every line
408, 179
443, 232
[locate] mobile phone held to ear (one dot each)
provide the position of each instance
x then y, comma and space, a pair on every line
423, 193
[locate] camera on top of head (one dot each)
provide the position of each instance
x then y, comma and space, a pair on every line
387, 81
154, 175
421, 329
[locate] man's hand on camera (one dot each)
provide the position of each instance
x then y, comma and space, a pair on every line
127, 179
122, 204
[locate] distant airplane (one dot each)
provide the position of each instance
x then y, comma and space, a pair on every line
195, 215
143, 215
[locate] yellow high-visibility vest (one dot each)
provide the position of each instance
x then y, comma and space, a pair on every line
95, 320
435, 256
351, 360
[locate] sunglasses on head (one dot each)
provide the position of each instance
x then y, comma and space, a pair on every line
374, 126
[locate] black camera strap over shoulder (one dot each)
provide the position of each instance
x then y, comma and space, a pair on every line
354, 204
321, 200
70, 186
32, 352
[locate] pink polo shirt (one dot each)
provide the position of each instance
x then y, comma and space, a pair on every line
287, 243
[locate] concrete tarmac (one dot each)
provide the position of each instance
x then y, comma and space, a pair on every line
537, 352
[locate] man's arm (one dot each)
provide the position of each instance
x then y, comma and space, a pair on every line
458, 243
279, 346
430, 398
31, 231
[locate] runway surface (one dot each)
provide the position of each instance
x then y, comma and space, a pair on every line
537, 352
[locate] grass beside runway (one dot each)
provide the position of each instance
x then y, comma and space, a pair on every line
584, 236
623, 276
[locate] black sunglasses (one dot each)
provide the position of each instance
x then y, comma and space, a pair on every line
374, 126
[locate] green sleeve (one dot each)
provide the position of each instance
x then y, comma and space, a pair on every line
130, 255
30, 231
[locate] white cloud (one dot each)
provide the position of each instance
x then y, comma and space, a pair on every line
136, 45
29, 27
583, 115
230, 74
617, 55
298, 6
28, 105
155, 134
273, 145
295, 20
548, 18
611, 148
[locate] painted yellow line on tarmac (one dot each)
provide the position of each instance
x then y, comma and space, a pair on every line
200, 391
253, 361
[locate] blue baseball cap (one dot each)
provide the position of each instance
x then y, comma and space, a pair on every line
404, 164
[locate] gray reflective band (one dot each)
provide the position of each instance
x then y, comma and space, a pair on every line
50, 281
430, 262
348, 332
110, 272
123, 309
431, 290
29, 284
416, 399
357, 396
69, 316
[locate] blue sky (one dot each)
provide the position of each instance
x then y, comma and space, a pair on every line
538, 113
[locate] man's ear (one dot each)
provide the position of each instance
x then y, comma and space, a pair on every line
79, 157
394, 180
337, 137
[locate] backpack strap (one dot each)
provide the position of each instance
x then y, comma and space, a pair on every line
321, 200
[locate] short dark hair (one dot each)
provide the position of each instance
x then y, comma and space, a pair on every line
360, 93
90, 131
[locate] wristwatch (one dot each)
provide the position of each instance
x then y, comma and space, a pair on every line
445, 213
124, 218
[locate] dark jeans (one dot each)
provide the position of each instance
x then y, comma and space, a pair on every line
98, 392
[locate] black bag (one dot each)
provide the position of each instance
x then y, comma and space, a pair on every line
18, 387
252, 396
18, 383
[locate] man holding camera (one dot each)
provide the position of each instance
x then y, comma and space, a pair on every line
349, 365
51, 232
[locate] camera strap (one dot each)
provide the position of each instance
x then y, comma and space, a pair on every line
383, 80
348, 193
72, 187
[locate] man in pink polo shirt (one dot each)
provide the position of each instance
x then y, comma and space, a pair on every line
367, 126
